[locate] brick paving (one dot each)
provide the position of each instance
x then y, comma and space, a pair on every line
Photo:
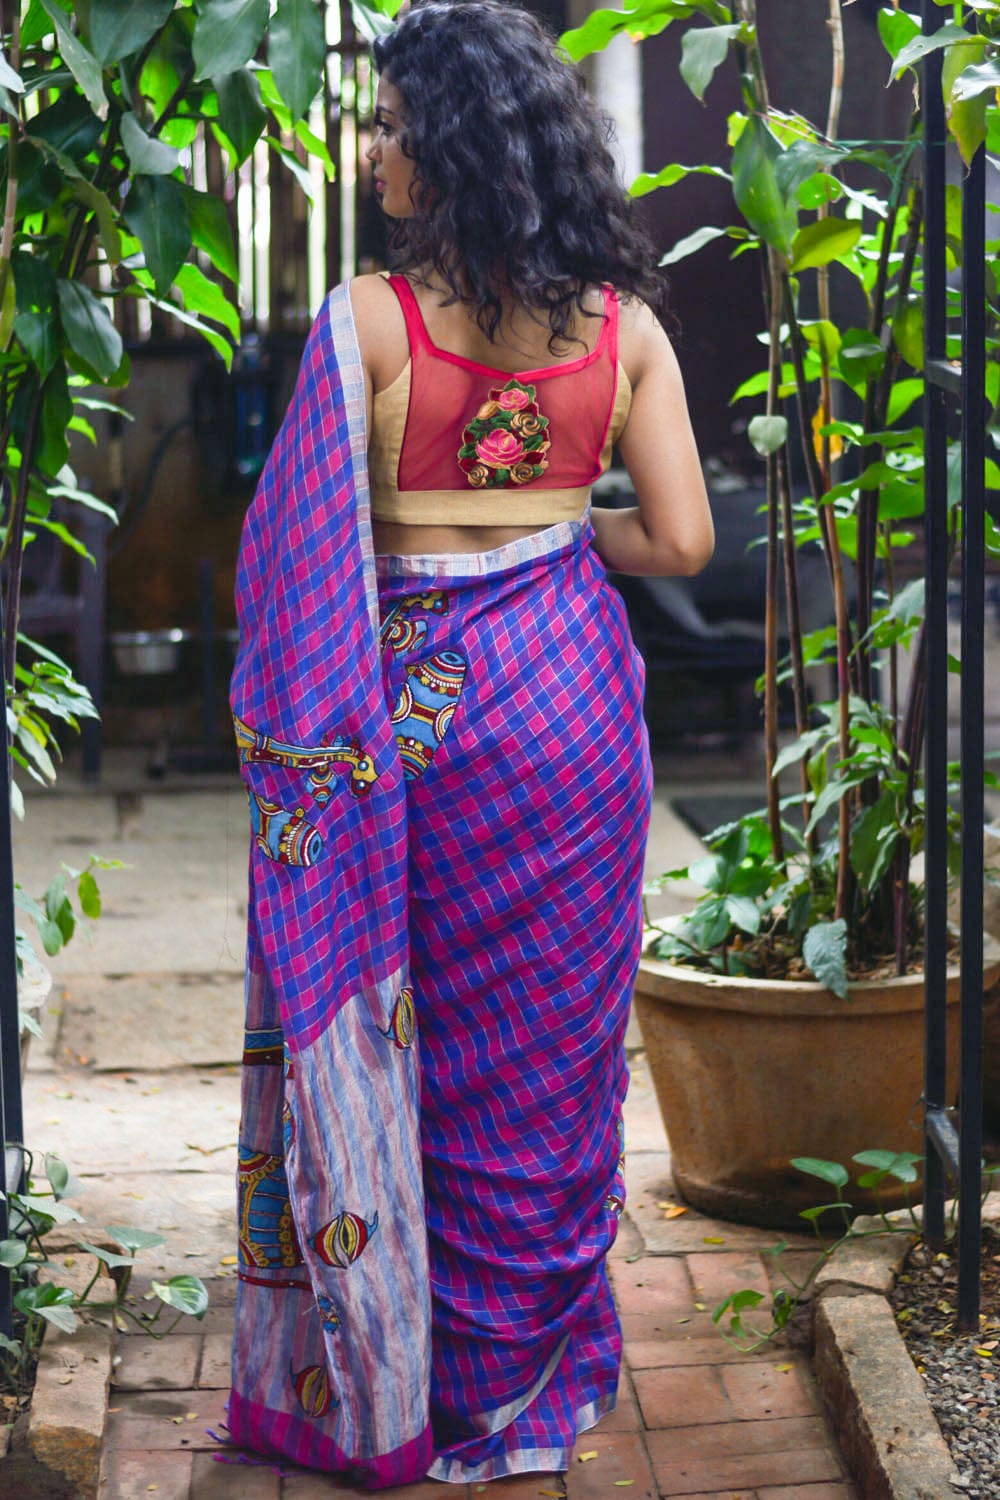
695, 1418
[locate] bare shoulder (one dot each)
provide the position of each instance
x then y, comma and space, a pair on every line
380, 326
643, 344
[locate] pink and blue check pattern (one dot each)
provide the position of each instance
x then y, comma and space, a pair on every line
444, 1306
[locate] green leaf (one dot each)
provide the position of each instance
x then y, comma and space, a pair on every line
902, 397
52, 449
211, 232
824, 949
187, 1293
12, 1253
147, 154
90, 895
827, 1171
242, 117
53, 1303
109, 1258
8, 78
61, 1180
861, 356
207, 298
767, 434
896, 28
908, 332
218, 341
107, 222
296, 51
156, 210
900, 1164
81, 63
977, 78
874, 836
744, 914
374, 20
823, 241
648, 182
38, 335
120, 28
822, 335
755, 186
919, 46
812, 1214
227, 33
966, 112
648, 18
134, 1239
702, 50
298, 171
691, 243
89, 328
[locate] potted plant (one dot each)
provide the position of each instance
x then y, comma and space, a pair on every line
784, 1017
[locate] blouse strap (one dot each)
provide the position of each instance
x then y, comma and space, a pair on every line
416, 329
611, 326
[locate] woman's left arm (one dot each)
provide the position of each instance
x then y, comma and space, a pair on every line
670, 531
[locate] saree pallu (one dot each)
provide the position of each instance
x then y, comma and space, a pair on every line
449, 821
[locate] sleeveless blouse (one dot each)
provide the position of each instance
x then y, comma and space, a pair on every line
457, 443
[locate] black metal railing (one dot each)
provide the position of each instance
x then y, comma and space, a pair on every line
11, 1113
954, 1141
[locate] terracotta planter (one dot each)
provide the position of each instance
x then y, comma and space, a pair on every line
749, 1075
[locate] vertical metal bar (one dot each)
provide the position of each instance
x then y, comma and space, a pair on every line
973, 689
11, 1118
936, 565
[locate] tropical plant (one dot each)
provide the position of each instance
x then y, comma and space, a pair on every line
101, 102
41, 1300
785, 892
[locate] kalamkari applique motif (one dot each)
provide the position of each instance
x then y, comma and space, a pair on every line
506, 442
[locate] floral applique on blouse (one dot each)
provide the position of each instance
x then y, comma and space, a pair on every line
506, 441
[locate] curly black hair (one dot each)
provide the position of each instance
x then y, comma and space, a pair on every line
516, 188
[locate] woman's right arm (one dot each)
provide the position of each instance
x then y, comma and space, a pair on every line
670, 531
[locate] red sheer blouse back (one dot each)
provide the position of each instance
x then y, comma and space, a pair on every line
456, 442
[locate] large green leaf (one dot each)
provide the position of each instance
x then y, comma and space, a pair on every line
755, 186
81, 63
375, 19
648, 182
12, 1252
296, 51
977, 78
826, 239
38, 335
910, 55
826, 1171
91, 333
966, 112
187, 1293
227, 34
207, 298
908, 332
824, 949
147, 155
120, 28
134, 1239
211, 232
69, 124
648, 18
697, 240
156, 210
896, 28
52, 449
702, 50
242, 117
874, 836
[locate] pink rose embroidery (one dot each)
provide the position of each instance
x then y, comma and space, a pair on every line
499, 449
505, 444
512, 400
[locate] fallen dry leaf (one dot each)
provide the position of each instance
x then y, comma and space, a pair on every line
621, 1483
712, 1239
583, 1458
700, 1306
986, 1353
228, 1260
783, 1369
675, 1211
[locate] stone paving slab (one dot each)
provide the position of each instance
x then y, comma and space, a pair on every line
153, 1022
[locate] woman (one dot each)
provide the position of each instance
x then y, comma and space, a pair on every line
449, 819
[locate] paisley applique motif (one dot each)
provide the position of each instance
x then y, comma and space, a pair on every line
312, 1387
336, 751
506, 442
340, 1242
267, 1237
400, 631
286, 837
425, 708
403, 1022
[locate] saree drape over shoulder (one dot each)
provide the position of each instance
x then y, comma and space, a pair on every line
449, 787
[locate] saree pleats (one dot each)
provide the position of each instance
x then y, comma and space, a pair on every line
526, 815
449, 788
